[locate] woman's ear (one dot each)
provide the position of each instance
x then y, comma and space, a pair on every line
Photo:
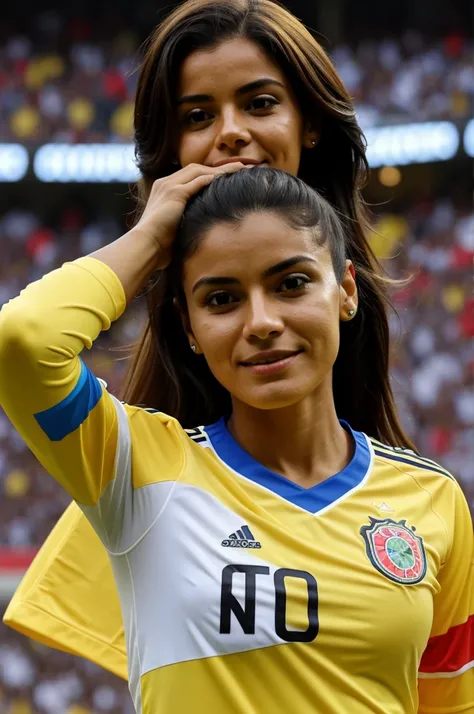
182, 314
349, 299
311, 134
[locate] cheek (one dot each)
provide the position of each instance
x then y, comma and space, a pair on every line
319, 324
192, 148
284, 141
216, 337
331, 340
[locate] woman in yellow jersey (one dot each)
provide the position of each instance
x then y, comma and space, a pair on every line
270, 517
274, 555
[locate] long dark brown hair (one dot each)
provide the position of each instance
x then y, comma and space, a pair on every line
337, 168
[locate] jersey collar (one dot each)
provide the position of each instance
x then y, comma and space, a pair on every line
315, 499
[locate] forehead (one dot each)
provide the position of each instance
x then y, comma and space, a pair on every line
230, 64
257, 242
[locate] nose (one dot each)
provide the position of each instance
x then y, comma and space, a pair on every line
263, 319
232, 130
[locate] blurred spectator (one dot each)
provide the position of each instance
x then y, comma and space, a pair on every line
433, 361
403, 80
81, 92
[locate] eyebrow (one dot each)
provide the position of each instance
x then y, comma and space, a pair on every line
245, 89
268, 273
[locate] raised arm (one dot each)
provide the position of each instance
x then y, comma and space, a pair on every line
60, 408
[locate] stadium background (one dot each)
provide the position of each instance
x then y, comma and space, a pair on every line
67, 79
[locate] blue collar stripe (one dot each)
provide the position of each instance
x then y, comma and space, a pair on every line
312, 499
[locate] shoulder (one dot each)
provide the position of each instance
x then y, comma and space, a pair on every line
146, 415
143, 419
161, 448
446, 495
409, 461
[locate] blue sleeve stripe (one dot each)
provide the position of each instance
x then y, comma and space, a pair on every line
67, 416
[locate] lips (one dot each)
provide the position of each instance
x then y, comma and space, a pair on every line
272, 365
238, 159
268, 357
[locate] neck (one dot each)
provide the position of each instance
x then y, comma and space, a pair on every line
304, 442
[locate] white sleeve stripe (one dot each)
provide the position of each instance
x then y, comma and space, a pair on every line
109, 515
132, 642
124, 445
446, 675
124, 515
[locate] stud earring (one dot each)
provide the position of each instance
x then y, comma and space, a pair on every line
193, 347
351, 313
313, 143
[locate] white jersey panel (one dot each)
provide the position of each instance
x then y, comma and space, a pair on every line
124, 514
180, 567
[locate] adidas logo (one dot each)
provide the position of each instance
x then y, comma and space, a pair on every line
242, 538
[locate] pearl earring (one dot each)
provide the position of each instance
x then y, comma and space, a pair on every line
313, 143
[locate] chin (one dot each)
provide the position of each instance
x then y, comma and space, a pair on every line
274, 397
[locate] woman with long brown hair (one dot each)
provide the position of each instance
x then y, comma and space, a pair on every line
273, 520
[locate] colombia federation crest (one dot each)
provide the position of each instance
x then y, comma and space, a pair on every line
394, 550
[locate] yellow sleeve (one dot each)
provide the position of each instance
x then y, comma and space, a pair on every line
62, 411
446, 673
68, 598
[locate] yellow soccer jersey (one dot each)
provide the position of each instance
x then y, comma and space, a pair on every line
242, 592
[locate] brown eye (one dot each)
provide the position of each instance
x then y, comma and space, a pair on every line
294, 283
196, 116
263, 102
220, 299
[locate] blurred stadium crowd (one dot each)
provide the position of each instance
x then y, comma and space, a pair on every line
59, 84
